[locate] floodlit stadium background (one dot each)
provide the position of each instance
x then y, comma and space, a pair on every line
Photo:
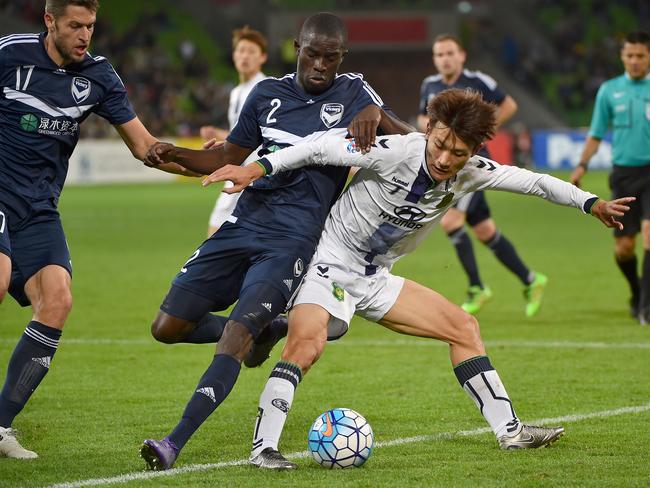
551, 56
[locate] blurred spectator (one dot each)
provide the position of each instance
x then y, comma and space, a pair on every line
171, 99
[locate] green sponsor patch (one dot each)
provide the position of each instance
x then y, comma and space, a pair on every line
29, 122
337, 291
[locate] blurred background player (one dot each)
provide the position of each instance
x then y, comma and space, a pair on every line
50, 86
624, 104
249, 53
449, 59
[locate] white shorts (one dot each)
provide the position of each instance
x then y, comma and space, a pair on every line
343, 291
224, 207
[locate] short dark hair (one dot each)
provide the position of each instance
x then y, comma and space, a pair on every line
638, 37
465, 113
326, 24
449, 37
57, 7
248, 34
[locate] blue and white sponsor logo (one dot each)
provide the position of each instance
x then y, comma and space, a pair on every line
80, 89
352, 146
280, 404
331, 114
561, 149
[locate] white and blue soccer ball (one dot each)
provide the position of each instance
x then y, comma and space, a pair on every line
340, 438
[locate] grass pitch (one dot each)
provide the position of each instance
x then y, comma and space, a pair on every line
581, 362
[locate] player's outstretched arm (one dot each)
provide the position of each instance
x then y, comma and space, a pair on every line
608, 211
335, 151
202, 161
139, 141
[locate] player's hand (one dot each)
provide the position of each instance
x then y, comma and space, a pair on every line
364, 127
213, 144
241, 176
160, 153
607, 211
577, 175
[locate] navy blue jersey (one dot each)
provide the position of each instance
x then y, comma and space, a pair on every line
41, 107
474, 80
279, 113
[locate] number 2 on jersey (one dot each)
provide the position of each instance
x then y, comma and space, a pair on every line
275, 103
192, 258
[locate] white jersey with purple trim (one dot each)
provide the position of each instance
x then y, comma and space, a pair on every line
392, 203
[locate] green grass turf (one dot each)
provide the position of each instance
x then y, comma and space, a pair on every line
112, 385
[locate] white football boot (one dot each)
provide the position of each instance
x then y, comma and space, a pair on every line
11, 448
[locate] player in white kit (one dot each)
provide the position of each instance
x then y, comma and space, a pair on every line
249, 53
406, 183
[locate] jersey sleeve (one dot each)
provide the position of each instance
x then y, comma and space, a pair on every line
246, 132
372, 96
486, 174
490, 89
601, 116
335, 151
115, 107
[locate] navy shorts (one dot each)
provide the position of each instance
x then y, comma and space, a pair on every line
631, 181
475, 208
32, 242
262, 271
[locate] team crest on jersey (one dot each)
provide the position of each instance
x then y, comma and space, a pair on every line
331, 114
647, 111
298, 267
337, 291
80, 89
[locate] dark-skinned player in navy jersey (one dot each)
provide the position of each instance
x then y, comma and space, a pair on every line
49, 85
260, 254
449, 59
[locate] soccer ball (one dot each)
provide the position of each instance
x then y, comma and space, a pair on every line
340, 438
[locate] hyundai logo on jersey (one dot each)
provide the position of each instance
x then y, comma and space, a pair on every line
80, 89
331, 114
408, 213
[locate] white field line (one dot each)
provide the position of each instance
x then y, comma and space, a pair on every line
192, 468
372, 342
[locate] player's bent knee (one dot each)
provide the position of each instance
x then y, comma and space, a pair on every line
55, 307
236, 340
464, 330
168, 329
469, 332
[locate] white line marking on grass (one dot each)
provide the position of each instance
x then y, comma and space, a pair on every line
192, 468
508, 343
381, 343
